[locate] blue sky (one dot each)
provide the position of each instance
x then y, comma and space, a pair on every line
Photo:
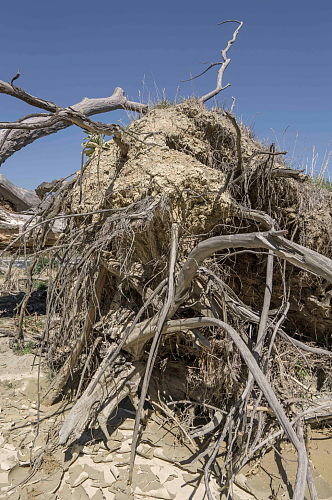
280, 72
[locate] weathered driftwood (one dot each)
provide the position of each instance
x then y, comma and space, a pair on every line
271, 240
20, 198
114, 386
12, 227
142, 332
15, 139
292, 252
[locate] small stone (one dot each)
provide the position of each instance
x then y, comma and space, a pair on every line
97, 459
81, 478
159, 453
100, 484
125, 447
88, 450
127, 425
9, 446
162, 492
113, 445
94, 474
52, 482
189, 477
74, 473
145, 451
108, 458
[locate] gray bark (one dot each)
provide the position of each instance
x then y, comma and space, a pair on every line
12, 141
11, 226
20, 198
271, 240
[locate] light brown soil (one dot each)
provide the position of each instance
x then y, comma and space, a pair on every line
95, 469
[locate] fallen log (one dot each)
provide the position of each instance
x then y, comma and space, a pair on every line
11, 227
19, 198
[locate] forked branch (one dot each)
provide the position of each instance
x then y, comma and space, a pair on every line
26, 130
224, 64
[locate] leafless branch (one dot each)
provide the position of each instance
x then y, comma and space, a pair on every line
272, 240
26, 130
238, 169
224, 65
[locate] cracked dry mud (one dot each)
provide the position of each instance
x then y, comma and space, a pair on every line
95, 469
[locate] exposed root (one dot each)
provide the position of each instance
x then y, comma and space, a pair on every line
160, 287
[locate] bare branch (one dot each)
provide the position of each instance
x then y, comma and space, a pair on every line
272, 240
15, 77
14, 140
31, 126
232, 118
233, 103
265, 387
224, 65
203, 72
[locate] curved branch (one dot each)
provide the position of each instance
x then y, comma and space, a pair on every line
272, 240
15, 140
203, 72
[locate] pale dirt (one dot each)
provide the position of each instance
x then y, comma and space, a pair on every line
93, 469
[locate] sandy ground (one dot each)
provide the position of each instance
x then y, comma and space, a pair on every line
96, 469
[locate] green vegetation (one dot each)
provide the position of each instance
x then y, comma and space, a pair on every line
93, 143
42, 285
24, 350
164, 103
42, 263
301, 372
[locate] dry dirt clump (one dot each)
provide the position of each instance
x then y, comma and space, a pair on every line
186, 165
169, 283
157, 168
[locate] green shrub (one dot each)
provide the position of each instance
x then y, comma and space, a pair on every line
321, 183
25, 350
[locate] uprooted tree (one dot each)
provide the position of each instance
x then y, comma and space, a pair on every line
189, 260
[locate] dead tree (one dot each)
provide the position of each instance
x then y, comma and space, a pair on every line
169, 283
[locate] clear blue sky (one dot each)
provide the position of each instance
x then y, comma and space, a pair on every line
280, 70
